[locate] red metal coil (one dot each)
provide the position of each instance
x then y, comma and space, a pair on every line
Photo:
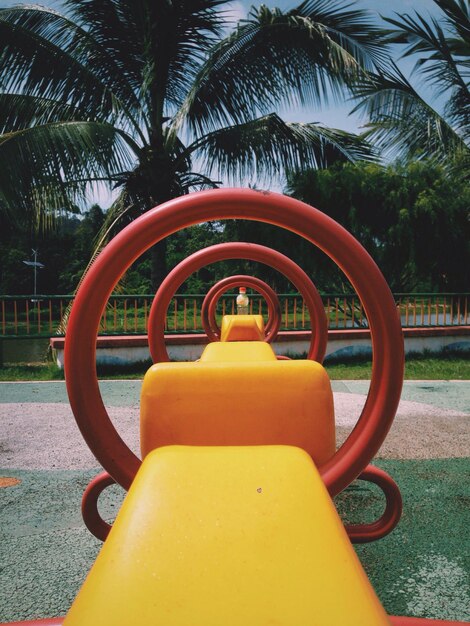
387, 340
364, 533
93, 520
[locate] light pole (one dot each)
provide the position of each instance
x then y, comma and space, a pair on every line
35, 264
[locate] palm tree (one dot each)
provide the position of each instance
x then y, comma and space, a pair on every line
400, 119
155, 99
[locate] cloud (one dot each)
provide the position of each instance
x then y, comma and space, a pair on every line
235, 11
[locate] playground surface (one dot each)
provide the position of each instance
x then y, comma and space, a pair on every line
422, 569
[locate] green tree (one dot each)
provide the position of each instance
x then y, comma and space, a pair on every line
412, 218
64, 250
56, 250
81, 248
400, 119
154, 98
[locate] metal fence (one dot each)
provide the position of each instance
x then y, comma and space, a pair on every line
41, 316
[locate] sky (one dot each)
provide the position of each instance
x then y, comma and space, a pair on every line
338, 115
335, 115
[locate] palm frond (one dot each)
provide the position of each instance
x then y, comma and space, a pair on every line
442, 48
31, 65
401, 122
49, 168
437, 62
19, 111
194, 181
153, 42
266, 148
275, 58
427, 39
457, 14
55, 39
352, 29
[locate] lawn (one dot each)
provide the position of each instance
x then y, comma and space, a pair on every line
418, 367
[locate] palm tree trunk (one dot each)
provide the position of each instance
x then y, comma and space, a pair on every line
159, 264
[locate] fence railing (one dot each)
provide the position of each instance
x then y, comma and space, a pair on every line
44, 315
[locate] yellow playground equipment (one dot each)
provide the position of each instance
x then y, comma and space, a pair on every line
229, 518
227, 526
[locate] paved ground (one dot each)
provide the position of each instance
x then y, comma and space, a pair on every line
422, 568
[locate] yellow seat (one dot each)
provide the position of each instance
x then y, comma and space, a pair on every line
242, 328
242, 351
233, 402
227, 537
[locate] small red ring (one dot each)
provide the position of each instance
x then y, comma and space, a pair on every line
209, 305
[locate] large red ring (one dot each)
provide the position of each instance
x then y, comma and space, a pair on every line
387, 339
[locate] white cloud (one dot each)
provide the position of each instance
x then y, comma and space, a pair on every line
235, 11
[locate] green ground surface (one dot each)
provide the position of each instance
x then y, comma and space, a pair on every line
416, 368
439, 393
421, 569
444, 367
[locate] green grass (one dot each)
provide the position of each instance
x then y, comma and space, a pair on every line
446, 367
418, 367
30, 371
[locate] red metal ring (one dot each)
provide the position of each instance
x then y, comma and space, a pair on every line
93, 520
212, 297
364, 533
386, 334
237, 250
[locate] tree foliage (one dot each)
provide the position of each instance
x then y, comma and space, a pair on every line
400, 119
155, 99
412, 218
64, 252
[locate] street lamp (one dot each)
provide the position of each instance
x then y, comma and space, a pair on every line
35, 264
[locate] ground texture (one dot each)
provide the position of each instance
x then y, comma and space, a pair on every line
421, 569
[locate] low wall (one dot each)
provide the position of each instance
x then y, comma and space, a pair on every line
342, 344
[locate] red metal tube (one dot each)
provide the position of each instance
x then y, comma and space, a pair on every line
209, 305
237, 250
364, 533
93, 520
386, 334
